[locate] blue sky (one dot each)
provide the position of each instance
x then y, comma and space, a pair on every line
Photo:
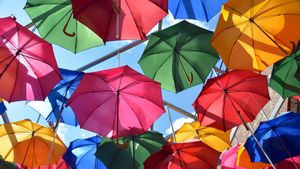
65, 59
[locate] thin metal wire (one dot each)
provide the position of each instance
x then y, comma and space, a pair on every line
171, 123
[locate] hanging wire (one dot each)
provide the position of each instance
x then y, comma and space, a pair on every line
170, 120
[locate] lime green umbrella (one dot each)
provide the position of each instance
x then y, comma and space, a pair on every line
285, 79
7, 165
132, 152
179, 57
54, 21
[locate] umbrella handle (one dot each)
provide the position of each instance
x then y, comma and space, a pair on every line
190, 78
65, 28
122, 146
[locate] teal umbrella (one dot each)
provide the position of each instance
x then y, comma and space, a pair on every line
179, 57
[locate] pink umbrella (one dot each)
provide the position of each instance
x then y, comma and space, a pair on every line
117, 102
290, 163
28, 69
229, 158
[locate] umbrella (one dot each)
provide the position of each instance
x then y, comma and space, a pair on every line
53, 109
237, 158
284, 75
172, 56
138, 149
120, 19
54, 21
216, 139
80, 154
28, 67
202, 10
117, 102
192, 155
7, 165
2, 106
288, 163
61, 164
29, 144
231, 99
297, 97
253, 35
279, 138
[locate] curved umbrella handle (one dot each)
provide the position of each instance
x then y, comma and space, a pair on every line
190, 78
122, 146
65, 28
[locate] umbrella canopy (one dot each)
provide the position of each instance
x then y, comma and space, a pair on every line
117, 102
54, 21
172, 56
120, 19
216, 139
81, 154
52, 107
279, 138
192, 155
61, 164
7, 165
254, 35
28, 68
297, 97
138, 149
288, 163
231, 99
237, 158
29, 144
202, 10
284, 79
2, 106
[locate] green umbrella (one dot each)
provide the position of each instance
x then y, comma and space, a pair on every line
131, 156
285, 78
54, 21
6, 164
179, 57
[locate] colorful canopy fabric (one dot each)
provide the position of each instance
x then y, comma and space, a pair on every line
117, 102
29, 144
279, 137
228, 98
51, 109
243, 160
192, 155
120, 19
254, 35
285, 79
81, 154
28, 67
288, 163
61, 164
54, 21
202, 10
172, 56
216, 139
2, 106
138, 149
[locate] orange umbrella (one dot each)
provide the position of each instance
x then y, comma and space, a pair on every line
255, 34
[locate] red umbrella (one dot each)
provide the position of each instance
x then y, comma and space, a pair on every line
192, 155
28, 69
120, 19
61, 164
231, 99
290, 163
117, 102
297, 97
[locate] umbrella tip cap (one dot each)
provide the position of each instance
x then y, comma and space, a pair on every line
12, 16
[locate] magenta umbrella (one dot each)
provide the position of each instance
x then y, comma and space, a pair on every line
117, 102
28, 69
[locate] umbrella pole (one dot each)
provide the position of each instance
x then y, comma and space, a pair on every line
172, 128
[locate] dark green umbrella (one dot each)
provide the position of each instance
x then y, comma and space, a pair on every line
132, 154
285, 78
179, 57
54, 21
6, 164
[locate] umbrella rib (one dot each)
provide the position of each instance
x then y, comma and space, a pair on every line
223, 112
260, 12
245, 80
76, 37
161, 65
136, 83
15, 82
11, 149
99, 77
113, 160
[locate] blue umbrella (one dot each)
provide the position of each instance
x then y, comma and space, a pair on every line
51, 108
279, 138
81, 154
202, 10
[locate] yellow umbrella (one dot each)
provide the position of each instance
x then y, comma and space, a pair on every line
253, 35
243, 160
217, 139
28, 143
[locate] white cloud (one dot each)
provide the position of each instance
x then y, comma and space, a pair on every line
62, 131
177, 124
